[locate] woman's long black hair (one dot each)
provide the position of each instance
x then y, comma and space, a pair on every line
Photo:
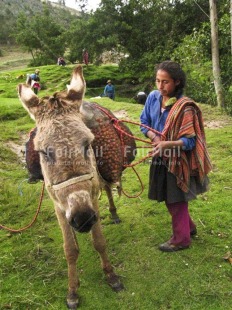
176, 73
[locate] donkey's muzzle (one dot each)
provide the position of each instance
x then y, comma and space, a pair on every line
83, 221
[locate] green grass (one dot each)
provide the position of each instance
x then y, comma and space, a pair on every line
33, 273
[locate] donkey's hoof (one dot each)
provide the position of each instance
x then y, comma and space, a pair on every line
72, 301
116, 219
72, 304
115, 283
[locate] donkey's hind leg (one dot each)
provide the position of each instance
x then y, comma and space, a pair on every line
99, 243
71, 252
112, 207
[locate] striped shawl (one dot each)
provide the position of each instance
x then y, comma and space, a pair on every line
185, 119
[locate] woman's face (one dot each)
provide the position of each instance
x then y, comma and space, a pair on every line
165, 84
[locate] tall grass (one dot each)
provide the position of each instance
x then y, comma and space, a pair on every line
33, 273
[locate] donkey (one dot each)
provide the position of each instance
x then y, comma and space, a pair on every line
69, 170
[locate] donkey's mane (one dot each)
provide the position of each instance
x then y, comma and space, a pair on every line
52, 106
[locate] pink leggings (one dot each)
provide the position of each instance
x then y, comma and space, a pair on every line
182, 223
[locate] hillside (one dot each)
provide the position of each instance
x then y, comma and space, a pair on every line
15, 7
10, 10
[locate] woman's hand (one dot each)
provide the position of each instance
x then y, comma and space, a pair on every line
165, 148
153, 136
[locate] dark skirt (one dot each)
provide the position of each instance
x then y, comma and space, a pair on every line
163, 184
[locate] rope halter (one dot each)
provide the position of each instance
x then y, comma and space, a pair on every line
81, 178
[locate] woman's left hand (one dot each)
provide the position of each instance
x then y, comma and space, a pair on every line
159, 147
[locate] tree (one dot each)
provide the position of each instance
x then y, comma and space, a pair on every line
215, 53
147, 30
133, 27
41, 36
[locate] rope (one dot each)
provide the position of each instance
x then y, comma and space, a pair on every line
116, 121
34, 219
142, 187
81, 178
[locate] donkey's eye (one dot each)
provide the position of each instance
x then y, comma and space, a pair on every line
86, 151
42, 152
48, 154
44, 155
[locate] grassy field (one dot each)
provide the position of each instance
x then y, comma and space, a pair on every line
33, 273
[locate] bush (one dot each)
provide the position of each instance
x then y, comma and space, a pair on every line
200, 84
41, 60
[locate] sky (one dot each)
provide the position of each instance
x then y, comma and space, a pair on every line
92, 4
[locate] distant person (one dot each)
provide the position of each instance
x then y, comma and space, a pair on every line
109, 90
34, 81
85, 56
141, 97
61, 61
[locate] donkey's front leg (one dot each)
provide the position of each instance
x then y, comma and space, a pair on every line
71, 252
99, 243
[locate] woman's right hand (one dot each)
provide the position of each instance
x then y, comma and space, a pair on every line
154, 139
153, 136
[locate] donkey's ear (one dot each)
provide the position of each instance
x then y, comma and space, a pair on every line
28, 98
76, 89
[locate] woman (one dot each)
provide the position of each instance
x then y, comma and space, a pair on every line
180, 163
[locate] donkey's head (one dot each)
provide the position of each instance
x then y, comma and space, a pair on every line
64, 144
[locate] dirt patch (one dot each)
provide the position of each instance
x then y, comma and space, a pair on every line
216, 124
121, 114
18, 149
14, 58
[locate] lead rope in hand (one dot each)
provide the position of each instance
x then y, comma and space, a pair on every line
34, 219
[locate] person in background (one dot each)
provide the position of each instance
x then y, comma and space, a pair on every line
180, 163
33, 80
141, 97
85, 56
61, 61
109, 90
